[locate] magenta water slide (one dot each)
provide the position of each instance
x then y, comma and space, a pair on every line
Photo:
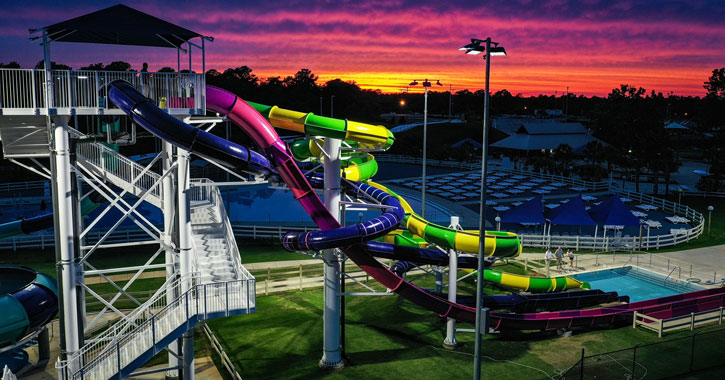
280, 158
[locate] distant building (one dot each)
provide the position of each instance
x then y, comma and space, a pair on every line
536, 134
467, 144
680, 124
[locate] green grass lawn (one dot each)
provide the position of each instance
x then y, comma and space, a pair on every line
388, 337
44, 260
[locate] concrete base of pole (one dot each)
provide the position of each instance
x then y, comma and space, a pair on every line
450, 345
331, 366
565, 333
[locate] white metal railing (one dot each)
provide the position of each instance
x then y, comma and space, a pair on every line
23, 91
590, 186
157, 320
23, 186
704, 194
120, 166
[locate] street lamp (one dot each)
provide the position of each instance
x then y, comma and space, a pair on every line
475, 48
332, 101
709, 218
498, 223
426, 84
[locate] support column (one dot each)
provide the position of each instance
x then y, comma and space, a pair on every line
450, 341
331, 357
65, 247
169, 212
185, 259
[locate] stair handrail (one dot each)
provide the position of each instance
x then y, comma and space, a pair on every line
99, 344
670, 274
124, 167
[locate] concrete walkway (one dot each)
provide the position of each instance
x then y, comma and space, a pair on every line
703, 265
712, 257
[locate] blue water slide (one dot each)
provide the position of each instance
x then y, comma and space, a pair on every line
28, 301
145, 113
45, 221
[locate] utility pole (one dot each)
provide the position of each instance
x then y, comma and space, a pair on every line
566, 112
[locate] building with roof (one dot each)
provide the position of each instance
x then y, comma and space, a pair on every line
527, 134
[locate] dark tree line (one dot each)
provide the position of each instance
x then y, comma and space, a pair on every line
630, 120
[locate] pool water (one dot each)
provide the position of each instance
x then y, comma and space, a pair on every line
636, 283
262, 205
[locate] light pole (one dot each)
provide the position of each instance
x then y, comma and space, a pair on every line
332, 103
450, 101
320, 105
709, 218
498, 223
475, 48
426, 84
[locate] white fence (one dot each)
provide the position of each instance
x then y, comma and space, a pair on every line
23, 91
661, 326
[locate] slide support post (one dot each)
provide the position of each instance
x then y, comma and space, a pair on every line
169, 211
450, 341
66, 246
331, 358
185, 253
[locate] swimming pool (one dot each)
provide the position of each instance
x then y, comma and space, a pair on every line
264, 205
637, 283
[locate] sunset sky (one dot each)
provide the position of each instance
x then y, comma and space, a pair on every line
589, 45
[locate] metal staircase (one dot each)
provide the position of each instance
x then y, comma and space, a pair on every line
217, 254
220, 285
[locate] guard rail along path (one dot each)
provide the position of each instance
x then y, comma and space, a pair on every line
132, 341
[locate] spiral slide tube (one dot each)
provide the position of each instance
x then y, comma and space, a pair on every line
502, 244
28, 301
45, 221
355, 167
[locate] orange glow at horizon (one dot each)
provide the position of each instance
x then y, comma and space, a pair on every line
589, 46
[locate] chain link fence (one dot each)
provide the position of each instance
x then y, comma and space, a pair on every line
661, 360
